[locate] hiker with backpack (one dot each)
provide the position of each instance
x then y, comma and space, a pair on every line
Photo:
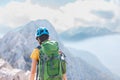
47, 61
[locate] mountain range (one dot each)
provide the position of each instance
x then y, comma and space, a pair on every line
17, 45
82, 33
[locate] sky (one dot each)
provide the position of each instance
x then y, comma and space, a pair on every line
62, 14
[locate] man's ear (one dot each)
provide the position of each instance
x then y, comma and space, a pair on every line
38, 39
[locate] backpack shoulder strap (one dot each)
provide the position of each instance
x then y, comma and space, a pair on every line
38, 47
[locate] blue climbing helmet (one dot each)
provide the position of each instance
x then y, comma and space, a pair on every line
41, 31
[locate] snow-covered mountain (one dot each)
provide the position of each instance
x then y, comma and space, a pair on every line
106, 48
91, 59
17, 45
23, 41
81, 33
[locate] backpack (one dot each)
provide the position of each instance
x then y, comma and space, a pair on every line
50, 66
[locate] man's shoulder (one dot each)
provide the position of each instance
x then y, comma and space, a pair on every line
38, 47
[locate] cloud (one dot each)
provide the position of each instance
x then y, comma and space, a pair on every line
15, 14
52, 3
5, 2
82, 10
4, 29
104, 14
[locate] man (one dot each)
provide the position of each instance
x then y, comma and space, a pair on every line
42, 36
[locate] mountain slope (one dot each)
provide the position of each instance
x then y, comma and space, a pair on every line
89, 58
92, 60
106, 48
17, 45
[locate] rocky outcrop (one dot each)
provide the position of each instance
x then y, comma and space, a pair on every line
4, 64
8, 73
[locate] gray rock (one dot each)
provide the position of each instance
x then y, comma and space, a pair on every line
8, 73
4, 64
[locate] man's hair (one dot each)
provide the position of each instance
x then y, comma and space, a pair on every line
43, 38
